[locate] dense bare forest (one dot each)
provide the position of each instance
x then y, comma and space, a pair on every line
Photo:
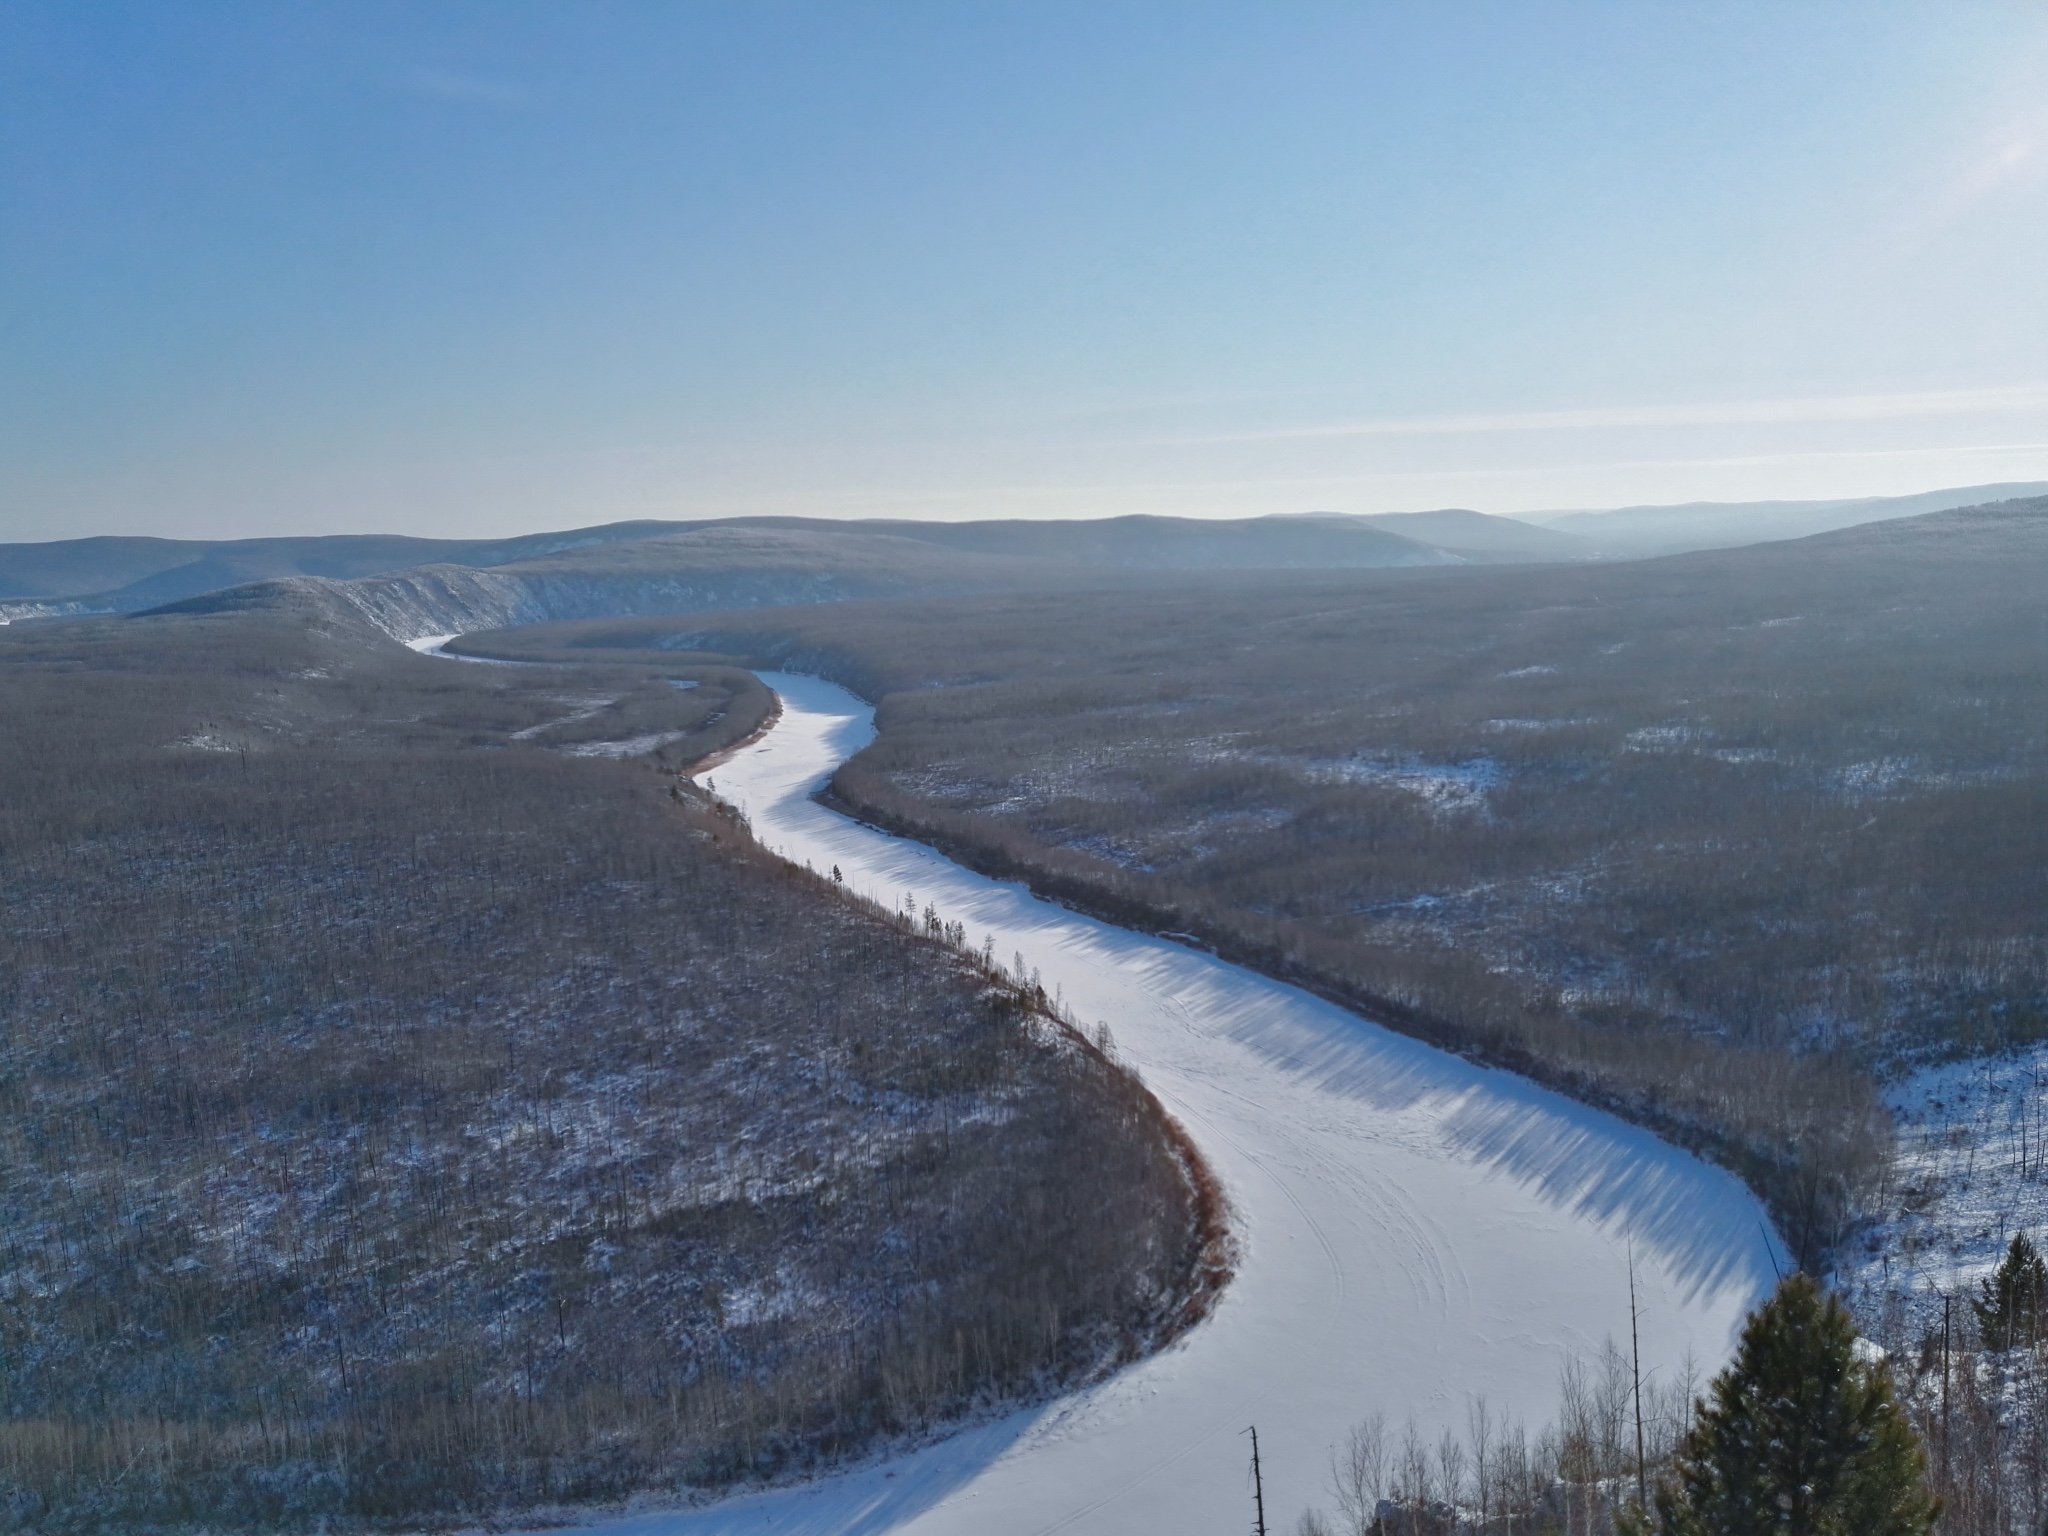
416, 1105
1704, 839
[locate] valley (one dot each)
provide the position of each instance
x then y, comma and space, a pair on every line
1403, 1217
1352, 977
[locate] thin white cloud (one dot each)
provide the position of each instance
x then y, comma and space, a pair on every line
2012, 154
1953, 402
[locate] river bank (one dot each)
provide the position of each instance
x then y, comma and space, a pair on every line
1414, 1230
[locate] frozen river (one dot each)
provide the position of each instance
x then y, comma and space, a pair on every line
1415, 1230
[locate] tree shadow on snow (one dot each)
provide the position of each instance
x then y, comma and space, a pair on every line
1698, 1221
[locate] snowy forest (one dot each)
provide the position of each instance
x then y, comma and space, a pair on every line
1716, 840
412, 1116
1023, 769
426, 1102
1743, 844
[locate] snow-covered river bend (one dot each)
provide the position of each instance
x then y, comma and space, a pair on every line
1415, 1230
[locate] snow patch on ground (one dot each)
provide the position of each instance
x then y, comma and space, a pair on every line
632, 746
581, 709
1661, 738
1972, 1167
1879, 776
432, 645
1447, 787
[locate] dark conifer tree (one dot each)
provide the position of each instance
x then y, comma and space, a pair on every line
1800, 1437
2014, 1301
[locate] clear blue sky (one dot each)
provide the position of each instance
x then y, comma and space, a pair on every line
465, 268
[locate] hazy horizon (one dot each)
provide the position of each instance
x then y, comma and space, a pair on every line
1536, 517
478, 271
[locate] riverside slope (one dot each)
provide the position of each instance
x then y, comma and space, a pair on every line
1415, 1230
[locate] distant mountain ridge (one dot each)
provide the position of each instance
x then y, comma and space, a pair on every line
1152, 543
1636, 532
1475, 536
705, 567
124, 574
402, 582
129, 575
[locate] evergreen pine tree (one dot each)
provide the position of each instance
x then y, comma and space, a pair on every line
1801, 1437
2014, 1301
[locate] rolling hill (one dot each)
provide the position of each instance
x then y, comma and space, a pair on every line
1703, 837
1635, 532
553, 576
559, 575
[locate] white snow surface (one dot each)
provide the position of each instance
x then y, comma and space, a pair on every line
1971, 1169
436, 645
1415, 1230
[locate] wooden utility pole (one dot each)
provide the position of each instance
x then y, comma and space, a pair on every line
1635, 1347
1258, 1485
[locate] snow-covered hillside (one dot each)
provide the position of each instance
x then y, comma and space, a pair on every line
1972, 1168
